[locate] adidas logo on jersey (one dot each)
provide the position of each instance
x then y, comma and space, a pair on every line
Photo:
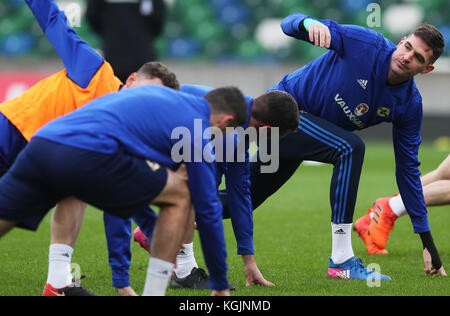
363, 83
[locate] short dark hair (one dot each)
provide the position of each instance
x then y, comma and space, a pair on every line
229, 100
433, 38
277, 109
155, 69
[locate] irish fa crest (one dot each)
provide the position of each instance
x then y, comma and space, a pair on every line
383, 111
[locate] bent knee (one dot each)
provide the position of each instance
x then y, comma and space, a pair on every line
353, 146
357, 144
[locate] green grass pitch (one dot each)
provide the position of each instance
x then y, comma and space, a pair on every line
292, 242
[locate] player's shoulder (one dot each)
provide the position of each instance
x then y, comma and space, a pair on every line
364, 35
410, 109
412, 95
176, 98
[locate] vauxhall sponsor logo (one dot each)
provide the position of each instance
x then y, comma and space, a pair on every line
348, 112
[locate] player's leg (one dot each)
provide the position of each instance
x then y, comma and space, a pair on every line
123, 185
146, 221
436, 185
187, 274
345, 150
65, 227
11, 144
265, 185
63, 230
185, 256
25, 194
5, 227
118, 237
319, 140
437, 193
440, 173
436, 188
175, 203
385, 211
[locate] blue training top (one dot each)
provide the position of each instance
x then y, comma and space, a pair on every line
348, 87
237, 181
80, 60
141, 120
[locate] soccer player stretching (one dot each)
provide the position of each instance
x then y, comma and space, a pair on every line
86, 76
363, 80
116, 154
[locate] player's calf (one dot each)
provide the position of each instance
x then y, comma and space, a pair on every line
5, 227
174, 202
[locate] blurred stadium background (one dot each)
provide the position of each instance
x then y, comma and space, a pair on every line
239, 42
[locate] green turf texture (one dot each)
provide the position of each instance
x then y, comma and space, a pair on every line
292, 242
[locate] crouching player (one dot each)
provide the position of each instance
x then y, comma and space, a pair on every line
86, 76
100, 154
271, 109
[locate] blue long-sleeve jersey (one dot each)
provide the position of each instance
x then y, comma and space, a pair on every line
348, 87
80, 60
237, 181
144, 122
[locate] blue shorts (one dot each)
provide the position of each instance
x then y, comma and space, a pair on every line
46, 173
11, 143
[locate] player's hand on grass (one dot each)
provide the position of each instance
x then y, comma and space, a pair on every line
252, 273
320, 35
220, 293
429, 269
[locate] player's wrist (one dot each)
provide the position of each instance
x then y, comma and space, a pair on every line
248, 259
308, 22
428, 243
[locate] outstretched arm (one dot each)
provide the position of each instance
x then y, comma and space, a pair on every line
406, 137
80, 60
237, 178
330, 34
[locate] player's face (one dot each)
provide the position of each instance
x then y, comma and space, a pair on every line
136, 80
411, 58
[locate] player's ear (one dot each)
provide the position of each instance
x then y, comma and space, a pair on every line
227, 119
429, 69
131, 80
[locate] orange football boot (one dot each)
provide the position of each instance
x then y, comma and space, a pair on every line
70, 290
362, 227
382, 222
